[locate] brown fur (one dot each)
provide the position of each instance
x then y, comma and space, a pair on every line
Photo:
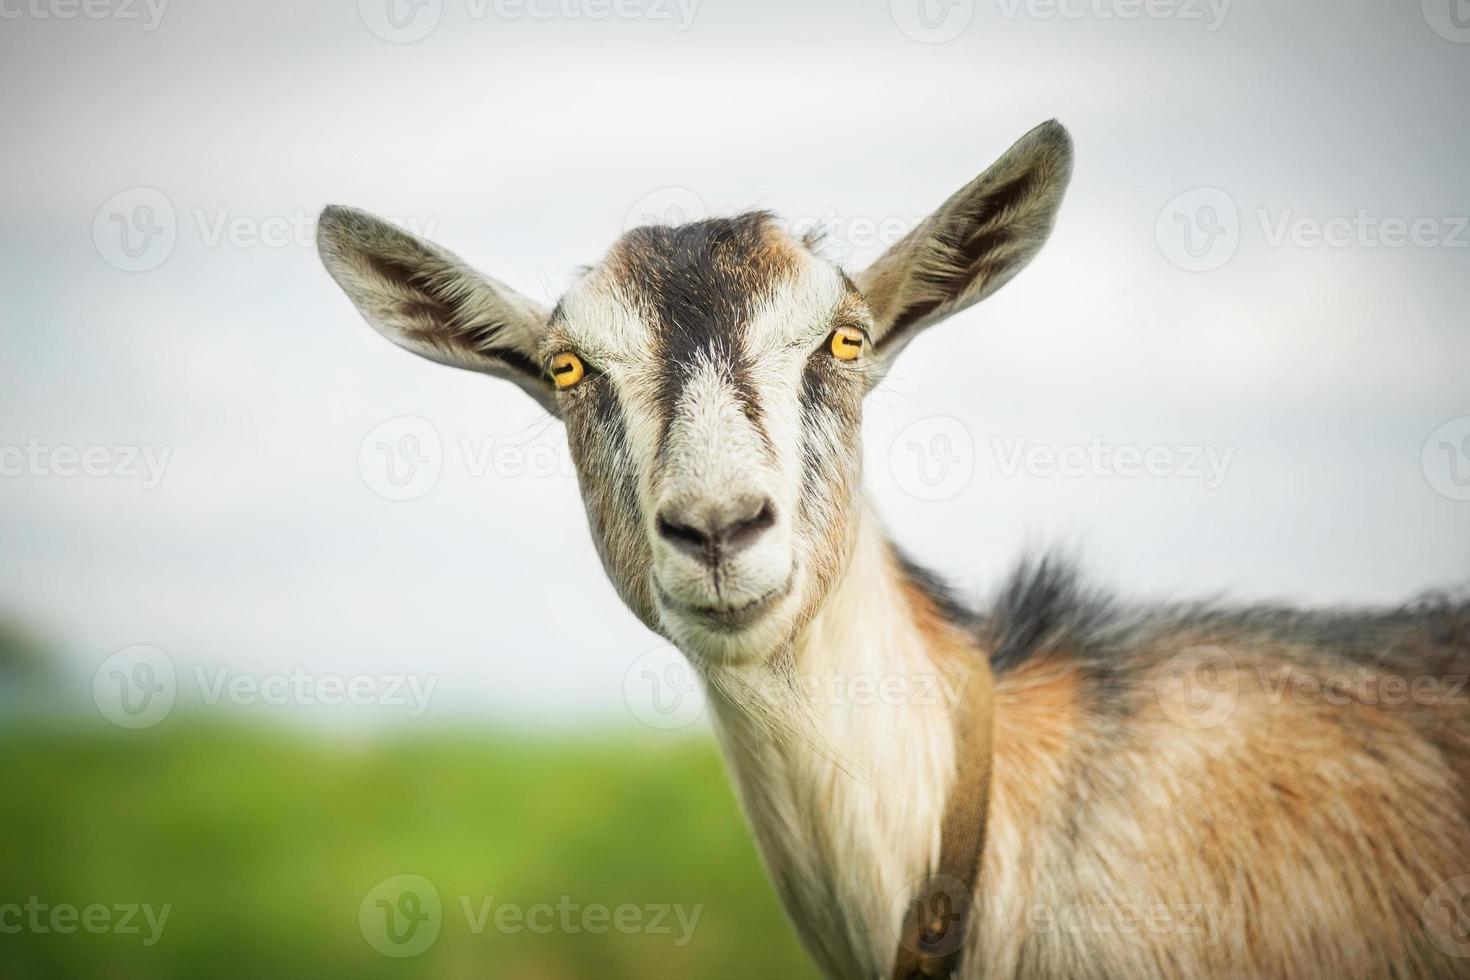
1286, 837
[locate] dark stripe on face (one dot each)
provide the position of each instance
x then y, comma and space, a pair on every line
612, 430
609, 479
811, 453
697, 285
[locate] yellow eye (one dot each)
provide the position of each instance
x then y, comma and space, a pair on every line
566, 370
847, 343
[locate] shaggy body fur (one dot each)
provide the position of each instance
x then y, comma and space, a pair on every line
1291, 815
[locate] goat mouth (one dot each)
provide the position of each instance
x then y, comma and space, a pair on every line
726, 618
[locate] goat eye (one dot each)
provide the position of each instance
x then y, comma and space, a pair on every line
847, 343
566, 370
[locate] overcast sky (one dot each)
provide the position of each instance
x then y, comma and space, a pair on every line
1258, 286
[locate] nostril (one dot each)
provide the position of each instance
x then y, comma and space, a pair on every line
684, 537
716, 532
742, 533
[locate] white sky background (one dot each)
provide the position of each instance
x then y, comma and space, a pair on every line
524, 143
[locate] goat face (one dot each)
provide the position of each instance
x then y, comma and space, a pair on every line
711, 379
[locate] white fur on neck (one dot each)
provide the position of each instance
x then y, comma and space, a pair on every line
847, 812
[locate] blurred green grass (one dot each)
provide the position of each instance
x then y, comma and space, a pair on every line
265, 843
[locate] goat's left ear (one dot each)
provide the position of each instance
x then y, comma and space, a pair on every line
974, 243
428, 301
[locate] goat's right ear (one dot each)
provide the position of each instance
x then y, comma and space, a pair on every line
427, 300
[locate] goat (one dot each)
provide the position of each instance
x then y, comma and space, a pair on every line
1110, 791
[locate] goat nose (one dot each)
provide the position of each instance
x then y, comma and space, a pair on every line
712, 532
